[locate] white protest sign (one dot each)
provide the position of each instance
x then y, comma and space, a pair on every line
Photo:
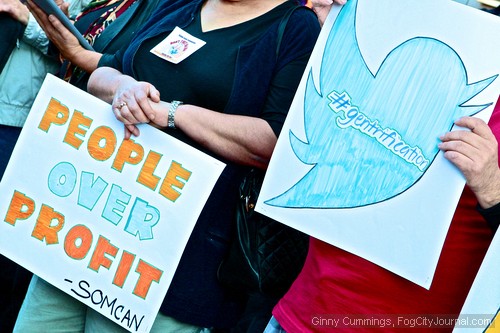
481, 310
102, 218
357, 163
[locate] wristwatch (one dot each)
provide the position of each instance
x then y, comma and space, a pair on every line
171, 113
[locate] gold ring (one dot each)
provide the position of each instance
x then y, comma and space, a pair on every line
122, 104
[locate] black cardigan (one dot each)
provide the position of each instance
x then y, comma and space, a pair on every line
195, 296
12, 30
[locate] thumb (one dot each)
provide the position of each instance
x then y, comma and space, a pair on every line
154, 94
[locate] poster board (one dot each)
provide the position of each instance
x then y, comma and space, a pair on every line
481, 310
102, 218
357, 163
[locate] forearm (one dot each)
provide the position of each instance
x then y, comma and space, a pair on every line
104, 82
241, 139
85, 59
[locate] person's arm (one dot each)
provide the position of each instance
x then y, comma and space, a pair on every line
322, 8
33, 34
16, 10
64, 41
242, 139
475, 153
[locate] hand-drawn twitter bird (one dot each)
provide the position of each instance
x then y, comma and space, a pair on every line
371, 136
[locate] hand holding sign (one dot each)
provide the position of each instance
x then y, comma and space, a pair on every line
113, 215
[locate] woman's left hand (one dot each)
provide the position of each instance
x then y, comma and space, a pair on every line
132, 104
475, 153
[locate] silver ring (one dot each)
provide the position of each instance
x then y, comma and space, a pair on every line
122, 104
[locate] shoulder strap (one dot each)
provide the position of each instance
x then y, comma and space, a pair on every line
282, 27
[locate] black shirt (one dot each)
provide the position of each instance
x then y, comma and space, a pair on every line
206, 77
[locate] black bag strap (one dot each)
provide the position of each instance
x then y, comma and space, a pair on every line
282, 27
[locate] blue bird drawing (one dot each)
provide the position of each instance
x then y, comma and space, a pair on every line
371, 136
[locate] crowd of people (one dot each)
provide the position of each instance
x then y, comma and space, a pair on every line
228, 99
24, 48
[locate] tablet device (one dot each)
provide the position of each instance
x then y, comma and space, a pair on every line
50, 7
